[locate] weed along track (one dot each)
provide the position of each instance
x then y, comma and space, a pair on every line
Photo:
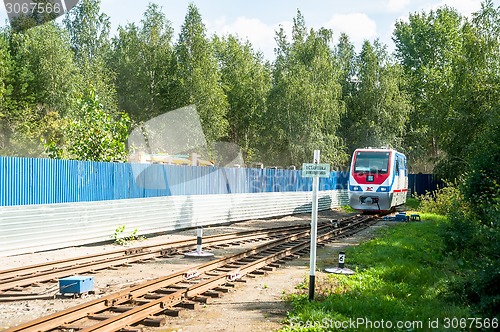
151, 302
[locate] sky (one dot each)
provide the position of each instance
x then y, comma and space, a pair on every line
257, 20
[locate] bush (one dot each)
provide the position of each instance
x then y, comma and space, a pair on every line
442, 201
471, 235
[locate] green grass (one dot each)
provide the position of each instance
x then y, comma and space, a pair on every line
348, 209
412, 203
401, 277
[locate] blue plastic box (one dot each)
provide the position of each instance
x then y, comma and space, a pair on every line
76, 284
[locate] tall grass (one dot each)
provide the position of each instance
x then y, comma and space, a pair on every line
401, 277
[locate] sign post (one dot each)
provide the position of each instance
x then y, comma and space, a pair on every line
314, 170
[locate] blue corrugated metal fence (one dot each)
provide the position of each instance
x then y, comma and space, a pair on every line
419, 184
26, 181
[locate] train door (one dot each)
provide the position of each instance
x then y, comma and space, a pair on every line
400, 180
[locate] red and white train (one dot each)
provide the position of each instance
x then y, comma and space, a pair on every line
378, 179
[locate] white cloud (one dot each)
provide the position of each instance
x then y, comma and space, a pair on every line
259, 34
397, 5
357, 26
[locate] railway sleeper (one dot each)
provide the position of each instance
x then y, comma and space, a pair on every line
155, 321
212, 294
247, 260
224, 269
131, 329
70, 327
100, 317
167, 290
221, 289
120, 309
201, 299
172, 312
267, 268
189, 305
153, 296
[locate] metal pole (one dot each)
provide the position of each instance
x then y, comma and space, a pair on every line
199, 235
314, 230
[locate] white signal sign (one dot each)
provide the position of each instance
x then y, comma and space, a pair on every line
312, 170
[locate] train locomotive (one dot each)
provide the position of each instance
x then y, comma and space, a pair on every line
378, 179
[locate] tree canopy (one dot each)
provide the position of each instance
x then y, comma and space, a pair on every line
318, 93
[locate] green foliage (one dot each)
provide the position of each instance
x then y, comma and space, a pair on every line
88, 30
6, 68
473, 232
428, 46
348, 209
305, 106
442, 201
401, 276
120, 238
35, 18
47, 74
377, 108
91, 134
140, 55
412, 203
43, 79
65, 88
196, 78
246, 81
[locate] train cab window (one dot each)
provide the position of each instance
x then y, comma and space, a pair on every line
371, 162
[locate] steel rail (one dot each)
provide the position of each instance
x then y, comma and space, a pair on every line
154, 307
136, 314
54, 320
15, 272
24, 276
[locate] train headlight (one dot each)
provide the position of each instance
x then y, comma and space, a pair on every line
383, 189
355, 188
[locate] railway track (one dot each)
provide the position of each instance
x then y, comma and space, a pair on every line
18, 278
184, 289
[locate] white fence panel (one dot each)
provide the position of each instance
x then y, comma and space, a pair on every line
31, 228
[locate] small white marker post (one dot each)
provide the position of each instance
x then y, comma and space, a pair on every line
314, 170
199, 252
341, 269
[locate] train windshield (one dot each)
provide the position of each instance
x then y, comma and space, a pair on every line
371, 162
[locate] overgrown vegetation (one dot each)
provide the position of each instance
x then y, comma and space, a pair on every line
442, 201
348, 209
121, 238
402, 276
472, 233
